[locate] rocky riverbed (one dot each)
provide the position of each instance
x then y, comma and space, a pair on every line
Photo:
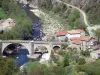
50, 25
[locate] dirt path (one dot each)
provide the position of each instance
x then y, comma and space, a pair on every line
81, 11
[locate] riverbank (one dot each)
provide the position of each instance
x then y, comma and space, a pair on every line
49, 24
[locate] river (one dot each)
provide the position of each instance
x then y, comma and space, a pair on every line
37, 29
21, 57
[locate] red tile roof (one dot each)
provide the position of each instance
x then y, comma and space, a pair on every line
61, 33
93, 40
80, 30
76, 42
85, 38
75, 31
75, 38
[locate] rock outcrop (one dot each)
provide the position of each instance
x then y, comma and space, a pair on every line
7, 24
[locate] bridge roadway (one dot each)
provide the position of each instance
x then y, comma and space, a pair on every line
27, 41
30, 45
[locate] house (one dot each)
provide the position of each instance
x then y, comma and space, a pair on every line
81, 42
88, 43
93, 44
95, 54
61, 35
85, 42
75, 34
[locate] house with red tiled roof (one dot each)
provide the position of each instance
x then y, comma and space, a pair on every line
61, 35
93, 44
75, 34
85, 43
78, 39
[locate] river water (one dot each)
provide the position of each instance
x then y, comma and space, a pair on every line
21, 57
37, 31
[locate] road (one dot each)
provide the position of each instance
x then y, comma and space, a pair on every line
81, 11
89, 29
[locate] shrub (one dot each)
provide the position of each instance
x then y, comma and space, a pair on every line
80, 61
85, 53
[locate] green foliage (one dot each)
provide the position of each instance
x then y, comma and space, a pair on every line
74, 19
7, 66
80, 61
59, 62
66, 60
61, 52
2, 14
29, 65
81, 26
93, 13
85, 53
23, 26
97, 33
0, 3
45, 4
53, 57
64, 46
65, 14
41, 69
38, 70
58, 70
59, 8
90, 68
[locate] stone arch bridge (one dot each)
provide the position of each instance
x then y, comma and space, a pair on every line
30, 44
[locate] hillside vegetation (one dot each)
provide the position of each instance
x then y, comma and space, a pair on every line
66, 14
23, 28
91, 7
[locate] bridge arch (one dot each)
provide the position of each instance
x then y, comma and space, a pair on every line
41, 49
14, 48
47, 46
56, 47
27, 45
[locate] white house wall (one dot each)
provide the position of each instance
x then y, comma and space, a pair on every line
72, 36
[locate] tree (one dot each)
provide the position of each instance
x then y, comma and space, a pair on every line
23, 26
5, 5
66, 60
90, 68
7, 66
80, 61
35, 68
74, 19
53, 58
80, 26
64, 46
1, 3
85, 53
97, 33
58, 70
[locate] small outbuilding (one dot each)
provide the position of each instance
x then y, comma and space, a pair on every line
95, 54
